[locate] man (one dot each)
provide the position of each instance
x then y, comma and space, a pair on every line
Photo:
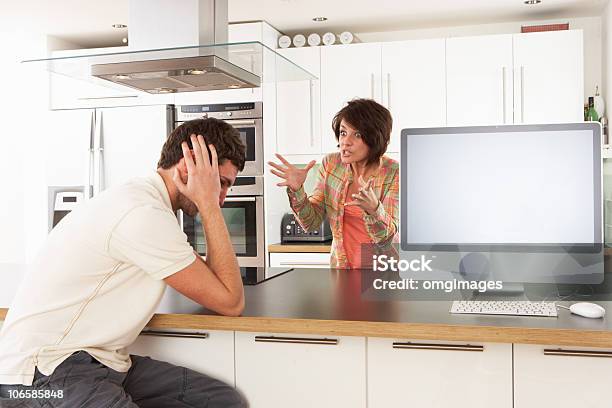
102, 272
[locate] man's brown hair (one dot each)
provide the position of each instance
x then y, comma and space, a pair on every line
223, 136
372, 120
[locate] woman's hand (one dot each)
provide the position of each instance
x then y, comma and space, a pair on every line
294, 177
365, 198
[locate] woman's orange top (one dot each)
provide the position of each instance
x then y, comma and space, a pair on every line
355, 234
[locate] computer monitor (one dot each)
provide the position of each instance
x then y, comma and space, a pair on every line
512, 189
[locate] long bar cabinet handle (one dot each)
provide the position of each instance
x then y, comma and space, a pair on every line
285, 263
372, 85
163, 333
522, 94
389, 90
577, 353
298, 340
504, 94
91, 159
428, 346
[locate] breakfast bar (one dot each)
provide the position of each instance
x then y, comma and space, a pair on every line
329, 302
315, 324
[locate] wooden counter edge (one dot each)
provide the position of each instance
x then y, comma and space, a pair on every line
318, 248
420, 331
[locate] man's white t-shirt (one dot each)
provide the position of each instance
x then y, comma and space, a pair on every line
96, 282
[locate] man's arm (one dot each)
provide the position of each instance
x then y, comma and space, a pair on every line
215, 284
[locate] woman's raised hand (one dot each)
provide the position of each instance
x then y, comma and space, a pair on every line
294, 177
366, 197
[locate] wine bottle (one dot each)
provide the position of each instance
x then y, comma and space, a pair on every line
591, 113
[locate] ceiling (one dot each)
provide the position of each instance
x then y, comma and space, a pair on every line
89, 23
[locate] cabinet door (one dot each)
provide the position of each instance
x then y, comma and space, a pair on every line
298, 110
413, 78
131, 139
438, 374
297, 370
549, 77
479, 80
300, 259
210, 352
347, 72
561, 376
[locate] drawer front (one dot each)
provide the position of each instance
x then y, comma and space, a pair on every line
209, 352
561, 376
300, 259
297, 370
438, 374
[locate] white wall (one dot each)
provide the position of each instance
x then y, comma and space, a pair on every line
22, 106
591, 26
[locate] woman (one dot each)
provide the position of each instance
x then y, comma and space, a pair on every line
356, 188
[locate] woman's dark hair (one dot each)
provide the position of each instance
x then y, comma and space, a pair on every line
373, 121
224, 137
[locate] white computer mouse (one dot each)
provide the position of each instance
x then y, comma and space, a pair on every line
586, 309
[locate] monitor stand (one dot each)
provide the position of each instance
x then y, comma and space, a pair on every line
508, 289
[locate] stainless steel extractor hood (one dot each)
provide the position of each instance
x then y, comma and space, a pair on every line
186, 74
156, 24
176, 46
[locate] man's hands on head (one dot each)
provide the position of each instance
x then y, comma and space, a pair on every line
202, 186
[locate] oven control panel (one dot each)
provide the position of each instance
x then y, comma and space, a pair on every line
225, 111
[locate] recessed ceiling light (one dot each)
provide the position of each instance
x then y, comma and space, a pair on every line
319, 19
196, 71
124, 40
119, 26
121, 76
233, 86
532, 2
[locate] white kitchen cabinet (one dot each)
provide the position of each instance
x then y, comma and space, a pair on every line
561, 376
438, 374
347, 72
131, 139
209, 352
298, 370
548, 77
413, 85
298, 109
479, 80
300, 259
515, 78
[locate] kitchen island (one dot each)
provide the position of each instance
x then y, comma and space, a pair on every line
329, 302
342, 350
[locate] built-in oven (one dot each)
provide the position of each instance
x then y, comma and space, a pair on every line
243, 212
246, 117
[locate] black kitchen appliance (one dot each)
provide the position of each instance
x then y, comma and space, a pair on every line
292, 231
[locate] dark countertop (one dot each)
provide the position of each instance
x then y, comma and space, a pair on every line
329, 302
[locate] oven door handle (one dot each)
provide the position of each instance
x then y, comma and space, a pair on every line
240, 122
239, 199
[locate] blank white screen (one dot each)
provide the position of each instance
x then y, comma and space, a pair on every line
496, 188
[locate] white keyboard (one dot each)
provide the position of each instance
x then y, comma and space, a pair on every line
503, 307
